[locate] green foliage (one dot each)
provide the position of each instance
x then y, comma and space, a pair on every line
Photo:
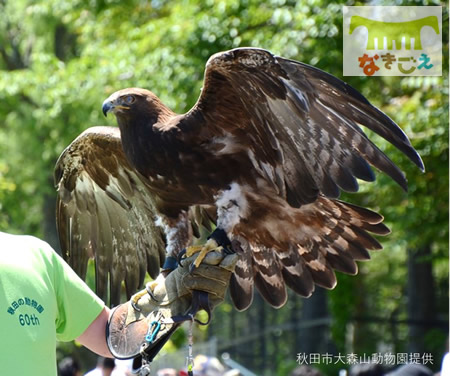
60, 60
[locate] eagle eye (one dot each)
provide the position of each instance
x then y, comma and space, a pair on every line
129, 99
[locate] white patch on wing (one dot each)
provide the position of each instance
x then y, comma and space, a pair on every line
232, 205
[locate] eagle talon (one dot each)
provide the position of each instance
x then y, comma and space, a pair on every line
149, 290
188, 252
134, 305
135, 298
192, 267
180, 256
202, 250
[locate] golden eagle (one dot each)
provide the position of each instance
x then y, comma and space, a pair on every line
263, 154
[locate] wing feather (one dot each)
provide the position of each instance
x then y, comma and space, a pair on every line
268, 277
105, 211
241, 282
296, 274
332, 236
313, 115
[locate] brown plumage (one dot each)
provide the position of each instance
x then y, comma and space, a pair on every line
264, 154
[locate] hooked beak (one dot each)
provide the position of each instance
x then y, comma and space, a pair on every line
107, 107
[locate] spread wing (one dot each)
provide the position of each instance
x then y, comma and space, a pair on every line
105, 211
301, 129
299, 124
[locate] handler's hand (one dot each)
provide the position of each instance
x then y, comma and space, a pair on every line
149, 322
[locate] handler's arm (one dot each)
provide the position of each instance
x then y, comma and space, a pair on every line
94, 337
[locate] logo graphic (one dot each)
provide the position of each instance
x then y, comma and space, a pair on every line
392, 41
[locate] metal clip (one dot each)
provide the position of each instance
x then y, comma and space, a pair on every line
153, 330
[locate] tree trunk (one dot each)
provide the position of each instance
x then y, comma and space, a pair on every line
314, 337
421, 297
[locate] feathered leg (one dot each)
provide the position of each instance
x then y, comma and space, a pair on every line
231, 207
178, 236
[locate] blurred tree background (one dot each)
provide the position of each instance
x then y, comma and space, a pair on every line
60, 59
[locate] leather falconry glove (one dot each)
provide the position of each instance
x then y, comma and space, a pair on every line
139, 330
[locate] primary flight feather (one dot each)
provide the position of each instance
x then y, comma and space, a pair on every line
263, 154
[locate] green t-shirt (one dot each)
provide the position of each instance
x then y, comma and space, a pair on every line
42, 300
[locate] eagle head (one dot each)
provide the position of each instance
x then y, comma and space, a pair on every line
129, 100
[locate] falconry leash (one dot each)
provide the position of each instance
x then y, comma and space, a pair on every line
200, 301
